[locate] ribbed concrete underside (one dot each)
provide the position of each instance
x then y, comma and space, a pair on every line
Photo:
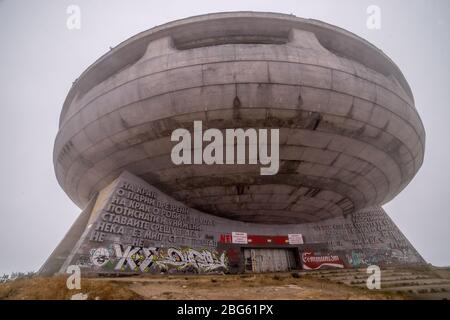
350, 136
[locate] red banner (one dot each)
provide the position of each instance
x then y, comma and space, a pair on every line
312, 262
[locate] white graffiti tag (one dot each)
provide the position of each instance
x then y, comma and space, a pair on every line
99, 256
142, 259
137, 259
126, 255
148, 258
203, 261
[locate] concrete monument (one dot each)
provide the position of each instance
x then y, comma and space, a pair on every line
349, 140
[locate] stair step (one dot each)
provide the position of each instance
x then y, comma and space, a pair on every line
384, 279
430, 288
400, 283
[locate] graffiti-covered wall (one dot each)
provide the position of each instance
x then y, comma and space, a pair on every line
117, 258
367, 237
135, 228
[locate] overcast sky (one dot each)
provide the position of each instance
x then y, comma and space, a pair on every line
40, 58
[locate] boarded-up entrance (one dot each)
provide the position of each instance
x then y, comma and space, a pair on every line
269, 260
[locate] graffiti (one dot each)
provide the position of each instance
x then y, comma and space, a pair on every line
135, 258
201, 261
141, 259
400, 255
311, 261
99, 256
359, 258
380, 257
84, 261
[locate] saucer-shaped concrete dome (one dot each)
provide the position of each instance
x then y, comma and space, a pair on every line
350, 136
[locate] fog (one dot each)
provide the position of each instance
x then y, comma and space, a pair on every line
40, 57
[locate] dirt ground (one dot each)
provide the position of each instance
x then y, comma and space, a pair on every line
226, 287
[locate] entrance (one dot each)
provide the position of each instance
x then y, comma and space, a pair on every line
269, 260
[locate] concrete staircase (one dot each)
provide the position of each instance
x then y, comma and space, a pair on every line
419, 283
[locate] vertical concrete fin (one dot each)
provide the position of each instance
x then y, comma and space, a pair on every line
414, 255
159, 47
99, 202
306, 40
53, 264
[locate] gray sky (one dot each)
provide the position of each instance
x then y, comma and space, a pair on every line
40, 58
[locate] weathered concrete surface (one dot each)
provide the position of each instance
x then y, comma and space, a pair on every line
424, 283
350, 136
135, 228
62, 252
